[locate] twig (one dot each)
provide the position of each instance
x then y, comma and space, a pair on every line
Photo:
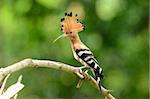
80, 82
19, 81
3, 85
54, 65
12, 91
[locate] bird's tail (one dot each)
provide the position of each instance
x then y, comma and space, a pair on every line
98, 76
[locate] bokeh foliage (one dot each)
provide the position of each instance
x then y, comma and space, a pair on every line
116, 31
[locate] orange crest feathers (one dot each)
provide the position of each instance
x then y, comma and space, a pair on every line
70, 24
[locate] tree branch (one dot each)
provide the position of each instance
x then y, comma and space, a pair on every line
54, 65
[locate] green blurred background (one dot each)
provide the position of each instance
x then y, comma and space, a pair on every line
116, 31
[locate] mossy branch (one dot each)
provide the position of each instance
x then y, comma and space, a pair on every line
54, 65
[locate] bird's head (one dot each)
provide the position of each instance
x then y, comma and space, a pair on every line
70, 26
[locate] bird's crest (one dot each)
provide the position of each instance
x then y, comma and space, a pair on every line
70, 24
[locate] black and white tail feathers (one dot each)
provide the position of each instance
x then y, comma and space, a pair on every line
87, 56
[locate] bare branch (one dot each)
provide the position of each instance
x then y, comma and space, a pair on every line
54, 65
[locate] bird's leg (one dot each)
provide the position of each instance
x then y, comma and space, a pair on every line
84, 66
80, 82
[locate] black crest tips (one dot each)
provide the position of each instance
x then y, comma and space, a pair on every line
76, 15
70, 13
65, 13
83, 27
62, 19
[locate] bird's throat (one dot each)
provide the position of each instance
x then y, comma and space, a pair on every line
75, 39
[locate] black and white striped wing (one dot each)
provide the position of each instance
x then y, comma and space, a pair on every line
87, 56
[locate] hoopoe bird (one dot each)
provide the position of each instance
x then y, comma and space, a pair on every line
71, 27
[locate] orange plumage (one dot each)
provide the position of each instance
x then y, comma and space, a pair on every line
70, 24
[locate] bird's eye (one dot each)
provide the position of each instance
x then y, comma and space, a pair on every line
70, 32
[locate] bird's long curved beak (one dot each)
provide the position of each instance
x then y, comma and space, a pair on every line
59, 37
